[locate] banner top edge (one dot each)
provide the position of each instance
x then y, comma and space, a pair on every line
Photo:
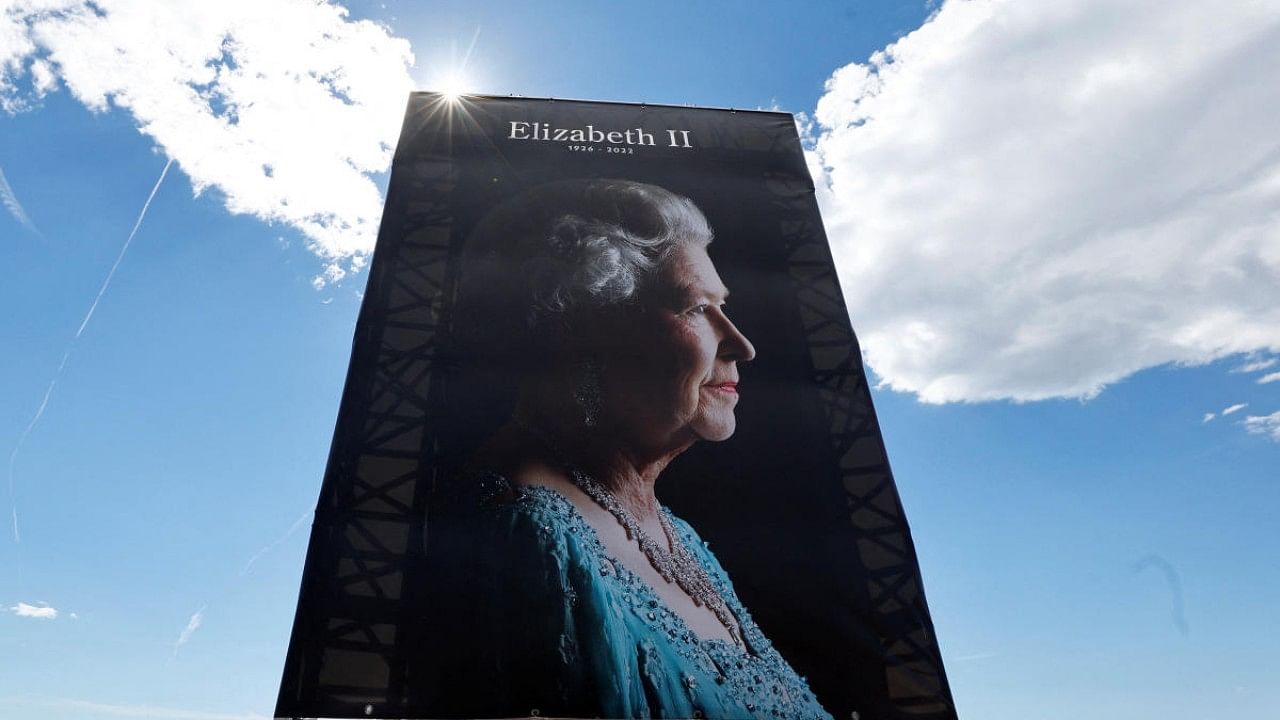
491, 96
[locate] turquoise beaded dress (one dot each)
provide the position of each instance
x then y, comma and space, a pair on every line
538, 619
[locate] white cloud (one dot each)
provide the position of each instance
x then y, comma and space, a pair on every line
284, 106
10, 202
1264, 425
1256, 365
193, 624
1208, 417
40, 611
1234, 408
1034, 200
1269, 378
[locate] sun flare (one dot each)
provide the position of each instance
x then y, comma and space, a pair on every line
452, 85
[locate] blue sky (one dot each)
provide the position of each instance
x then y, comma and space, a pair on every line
1057, 231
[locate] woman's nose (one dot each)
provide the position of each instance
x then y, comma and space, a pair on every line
733, 344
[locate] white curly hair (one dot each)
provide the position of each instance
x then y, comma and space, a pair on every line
551, 255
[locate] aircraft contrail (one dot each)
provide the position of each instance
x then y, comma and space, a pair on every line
1175, 587
57, 374
10, 201
112, 273
309, 514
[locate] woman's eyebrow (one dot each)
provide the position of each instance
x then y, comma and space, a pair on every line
694, 292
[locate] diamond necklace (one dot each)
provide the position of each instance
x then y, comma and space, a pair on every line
677, 565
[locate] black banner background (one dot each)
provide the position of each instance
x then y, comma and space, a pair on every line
799, 505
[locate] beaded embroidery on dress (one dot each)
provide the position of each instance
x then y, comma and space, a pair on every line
553, 623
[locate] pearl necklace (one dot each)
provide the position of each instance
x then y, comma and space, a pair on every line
677, 565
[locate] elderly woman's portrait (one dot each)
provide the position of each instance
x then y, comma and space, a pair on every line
561, 585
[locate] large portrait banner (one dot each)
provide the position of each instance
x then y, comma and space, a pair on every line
606, 446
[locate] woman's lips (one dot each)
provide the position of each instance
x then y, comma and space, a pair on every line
728, 387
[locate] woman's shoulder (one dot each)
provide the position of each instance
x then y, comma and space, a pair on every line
500, 538
683, 528
517, 506
700, 548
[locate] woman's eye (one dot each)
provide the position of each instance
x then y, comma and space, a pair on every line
704, 308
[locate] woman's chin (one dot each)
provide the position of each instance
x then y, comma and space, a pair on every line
716, 431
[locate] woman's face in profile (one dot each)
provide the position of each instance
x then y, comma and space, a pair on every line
673, 377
